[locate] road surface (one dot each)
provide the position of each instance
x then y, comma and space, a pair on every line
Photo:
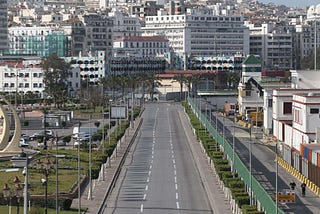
161, 176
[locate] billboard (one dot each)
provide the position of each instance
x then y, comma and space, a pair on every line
118, 112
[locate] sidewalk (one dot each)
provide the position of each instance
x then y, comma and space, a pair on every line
286, 173
101, 185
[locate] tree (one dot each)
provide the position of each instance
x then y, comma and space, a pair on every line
191, 81
55, 78
180, 78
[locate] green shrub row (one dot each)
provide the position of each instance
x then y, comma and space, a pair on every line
222, 167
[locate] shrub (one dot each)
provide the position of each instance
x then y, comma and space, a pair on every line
248, 208
236, 184
242, 200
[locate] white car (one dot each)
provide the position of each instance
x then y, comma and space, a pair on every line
23, 142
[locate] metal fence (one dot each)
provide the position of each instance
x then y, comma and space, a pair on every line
264, 200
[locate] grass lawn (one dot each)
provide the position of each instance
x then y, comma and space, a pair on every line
35, 210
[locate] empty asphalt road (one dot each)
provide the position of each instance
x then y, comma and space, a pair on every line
160, 175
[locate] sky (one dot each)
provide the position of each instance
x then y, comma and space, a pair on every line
293, 3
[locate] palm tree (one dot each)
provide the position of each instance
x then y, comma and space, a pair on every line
180, 78
191, 81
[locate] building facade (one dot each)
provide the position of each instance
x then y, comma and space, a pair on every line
200, 33
3, 26
38, 41
141, 46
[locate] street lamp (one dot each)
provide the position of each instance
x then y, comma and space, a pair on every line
250, 163
8, 195
44, 167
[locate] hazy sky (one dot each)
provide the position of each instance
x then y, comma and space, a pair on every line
293, 3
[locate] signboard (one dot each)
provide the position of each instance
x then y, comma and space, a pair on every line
287, 196
136, 102
118, 112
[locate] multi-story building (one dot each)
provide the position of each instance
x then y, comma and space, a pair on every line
200, 33
39, 41
135, 65
3, 26
141, 46
25, 75
99, 31
274, 46
91, 67
22, 76
124, 25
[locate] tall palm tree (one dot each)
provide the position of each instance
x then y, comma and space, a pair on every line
180, 78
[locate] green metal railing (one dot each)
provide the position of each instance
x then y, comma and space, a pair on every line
259, 193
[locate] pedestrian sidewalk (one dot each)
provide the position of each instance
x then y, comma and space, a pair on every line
101, 185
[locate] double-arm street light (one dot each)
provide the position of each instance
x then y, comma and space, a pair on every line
17, 193
45, 168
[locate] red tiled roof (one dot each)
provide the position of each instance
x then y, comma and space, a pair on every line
143, 38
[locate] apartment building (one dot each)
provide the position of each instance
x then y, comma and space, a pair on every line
124, 25
200, 33
99, 31
91, 68
38, 41
141, 46
3, 26
273, 45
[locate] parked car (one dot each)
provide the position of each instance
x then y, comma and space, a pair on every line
23, 142
49, 134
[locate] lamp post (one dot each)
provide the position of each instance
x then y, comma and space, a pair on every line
233, 142
90, 164
8, 195
79, 174
250, 163
44, 167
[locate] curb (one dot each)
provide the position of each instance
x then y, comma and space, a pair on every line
313, 187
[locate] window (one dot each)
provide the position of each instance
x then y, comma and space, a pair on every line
26, 85
269, 102
287, 108
26, 75
248, 93
35, 75
35, 85
314, 111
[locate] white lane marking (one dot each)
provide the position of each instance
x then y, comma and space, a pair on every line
147, 187
173, 160
172, 156
150, 166
151, 161
148, 179
172, 151
141, 208
149, 172
152, 156
152, 152
144, 196
177, 196
178, 206
175, 172
174, 166
175, 179
176, 186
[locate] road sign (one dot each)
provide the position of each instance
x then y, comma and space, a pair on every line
118, 112
287, 196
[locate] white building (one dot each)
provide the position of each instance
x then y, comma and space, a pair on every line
295, 115
141, 46
200, 33
124, 25
91, 68
22, 76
